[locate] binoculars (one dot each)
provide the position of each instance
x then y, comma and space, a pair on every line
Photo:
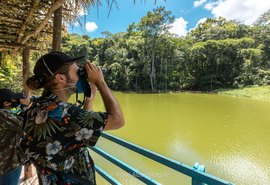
82, 73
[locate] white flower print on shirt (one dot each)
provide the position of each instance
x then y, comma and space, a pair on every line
45, 179
49, 158
41, 117
65, 110
32, 154
53, 148
53, 166
68, 163
84, 133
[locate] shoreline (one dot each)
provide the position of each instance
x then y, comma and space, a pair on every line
253, 92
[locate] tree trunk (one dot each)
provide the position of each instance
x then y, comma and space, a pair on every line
151, 75
152, 66
26, 70
161, 84
166, 75
136, 85
57, 29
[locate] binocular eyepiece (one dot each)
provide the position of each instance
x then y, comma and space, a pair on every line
82, 73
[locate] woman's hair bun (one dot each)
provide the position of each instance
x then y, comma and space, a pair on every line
34, 82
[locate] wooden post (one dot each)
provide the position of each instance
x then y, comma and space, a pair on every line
57, 29
26, 69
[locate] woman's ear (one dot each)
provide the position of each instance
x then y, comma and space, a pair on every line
61, 78
6, 104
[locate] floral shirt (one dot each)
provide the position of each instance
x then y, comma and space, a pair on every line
57, 137
10, 134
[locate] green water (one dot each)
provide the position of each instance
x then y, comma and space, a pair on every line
230, 136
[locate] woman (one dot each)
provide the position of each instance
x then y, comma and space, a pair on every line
10, 133
57, 132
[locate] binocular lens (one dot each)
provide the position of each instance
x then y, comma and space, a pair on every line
82, 73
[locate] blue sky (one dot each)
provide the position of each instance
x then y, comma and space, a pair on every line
188, 14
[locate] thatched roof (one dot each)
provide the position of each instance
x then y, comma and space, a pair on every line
29, 22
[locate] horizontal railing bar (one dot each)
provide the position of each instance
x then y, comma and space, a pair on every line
106, 176
134, 172
178, 166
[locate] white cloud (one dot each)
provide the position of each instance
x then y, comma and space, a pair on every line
211, 5
199, 3
245, 11
91, 26
179, 27
202, 20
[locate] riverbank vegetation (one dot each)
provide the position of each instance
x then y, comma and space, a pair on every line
255, 92
217, 54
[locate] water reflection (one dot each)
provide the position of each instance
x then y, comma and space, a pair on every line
243, 169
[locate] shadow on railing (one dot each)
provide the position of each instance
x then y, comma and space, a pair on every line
197, 173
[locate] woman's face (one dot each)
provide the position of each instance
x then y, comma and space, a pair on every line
72, 78
73, 73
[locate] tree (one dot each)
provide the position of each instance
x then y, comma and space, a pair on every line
151, 26
218, 29
216, 63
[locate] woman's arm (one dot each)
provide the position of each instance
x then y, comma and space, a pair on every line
115, 115
88, 104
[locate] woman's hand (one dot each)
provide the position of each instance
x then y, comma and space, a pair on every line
26, 101
94, 73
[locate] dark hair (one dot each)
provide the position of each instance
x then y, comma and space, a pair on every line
2, 104
34, 83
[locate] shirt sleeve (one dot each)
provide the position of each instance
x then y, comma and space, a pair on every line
88, 125
10, 122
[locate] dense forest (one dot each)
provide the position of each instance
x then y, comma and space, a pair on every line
218, 53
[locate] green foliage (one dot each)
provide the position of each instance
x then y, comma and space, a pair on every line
10, 71
76, 45
217, 54
218, 29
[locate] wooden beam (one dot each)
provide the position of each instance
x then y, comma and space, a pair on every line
11, 5
9, 28
15, 45
10, 19
29, 15
7, 37
54, 7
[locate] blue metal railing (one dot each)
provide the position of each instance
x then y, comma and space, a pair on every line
197, 173
125, 167
106, 176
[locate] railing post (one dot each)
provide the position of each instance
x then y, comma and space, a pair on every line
201, 168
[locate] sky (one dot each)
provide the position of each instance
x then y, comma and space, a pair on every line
188, 13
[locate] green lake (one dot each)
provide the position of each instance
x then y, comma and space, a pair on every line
229, 135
